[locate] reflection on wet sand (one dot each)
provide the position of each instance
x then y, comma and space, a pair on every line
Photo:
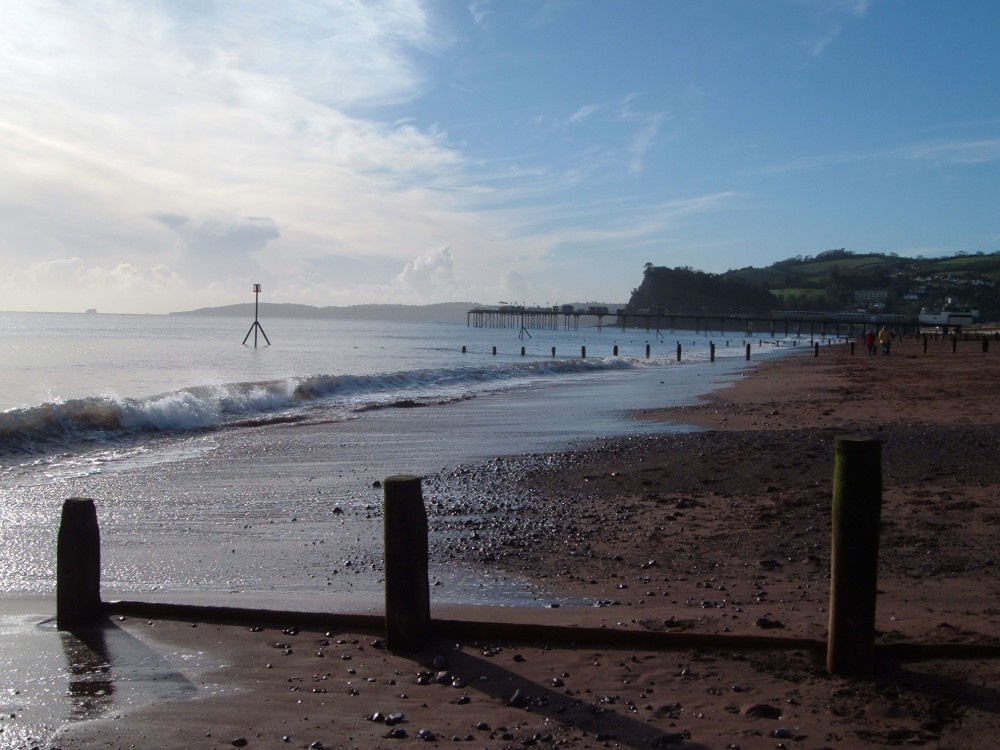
91, 686
109, 668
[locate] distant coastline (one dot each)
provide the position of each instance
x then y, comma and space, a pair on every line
445, 312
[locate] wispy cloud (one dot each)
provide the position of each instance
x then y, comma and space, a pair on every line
952, 153
211, 114
480, 10
818, 162
963, 152
643, 142
834, 16
583, 113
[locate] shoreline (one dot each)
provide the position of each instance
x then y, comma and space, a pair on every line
722, 530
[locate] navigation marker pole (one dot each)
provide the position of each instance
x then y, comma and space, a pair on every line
256, 324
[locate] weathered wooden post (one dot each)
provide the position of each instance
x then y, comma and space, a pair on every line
816, 349
494, 351
583, 352
954, 344
522, 351
857, 511
616, 350
852, 348
407, 592
553, 351
78, 565
711, 351
986, 345
678, 351
463, 348
748, 352
647, 351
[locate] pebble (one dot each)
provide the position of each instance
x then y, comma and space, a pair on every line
766, 624
763, 711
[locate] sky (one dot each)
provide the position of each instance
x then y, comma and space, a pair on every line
166, 155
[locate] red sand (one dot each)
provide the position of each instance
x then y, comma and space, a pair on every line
723, 531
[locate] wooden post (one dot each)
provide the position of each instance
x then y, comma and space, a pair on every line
522, 351
553, 351
407, 592
954, 344
711, 351
494, 351
583, 352
463, 349
816, 349
678, 351
78, 565
857, 510
647, 351
748, 352
986, 345
852, 348
616, 350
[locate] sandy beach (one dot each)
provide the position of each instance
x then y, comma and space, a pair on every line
720, 531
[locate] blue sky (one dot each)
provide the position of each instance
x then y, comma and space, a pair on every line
159, 156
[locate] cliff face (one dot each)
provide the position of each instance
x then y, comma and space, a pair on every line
682, 290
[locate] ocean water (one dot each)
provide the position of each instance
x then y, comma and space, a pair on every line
232, 475
247, 473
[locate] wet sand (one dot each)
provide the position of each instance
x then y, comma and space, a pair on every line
722, 531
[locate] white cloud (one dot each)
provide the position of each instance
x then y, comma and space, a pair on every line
59, 271
428, 276
514, 287
148, 136
164, 155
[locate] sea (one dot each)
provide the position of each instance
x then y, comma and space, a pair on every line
224, 465
241, 466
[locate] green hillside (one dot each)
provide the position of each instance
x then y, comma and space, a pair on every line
835, 280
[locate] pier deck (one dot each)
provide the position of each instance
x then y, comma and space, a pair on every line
777, 323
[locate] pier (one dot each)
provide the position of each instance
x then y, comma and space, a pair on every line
773, 323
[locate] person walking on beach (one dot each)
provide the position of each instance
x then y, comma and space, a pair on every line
870, 342
885, 339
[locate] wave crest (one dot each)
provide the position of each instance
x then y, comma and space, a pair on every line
104, 418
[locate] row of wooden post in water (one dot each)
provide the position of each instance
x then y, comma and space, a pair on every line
984, 342
748, 347
407, 624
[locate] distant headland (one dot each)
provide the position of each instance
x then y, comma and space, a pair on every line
445, 312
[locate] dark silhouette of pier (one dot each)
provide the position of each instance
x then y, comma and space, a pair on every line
772, 323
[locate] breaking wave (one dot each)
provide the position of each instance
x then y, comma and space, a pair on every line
105, 418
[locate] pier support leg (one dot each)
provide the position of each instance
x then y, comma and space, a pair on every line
856, 516
407, 592
78, 565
